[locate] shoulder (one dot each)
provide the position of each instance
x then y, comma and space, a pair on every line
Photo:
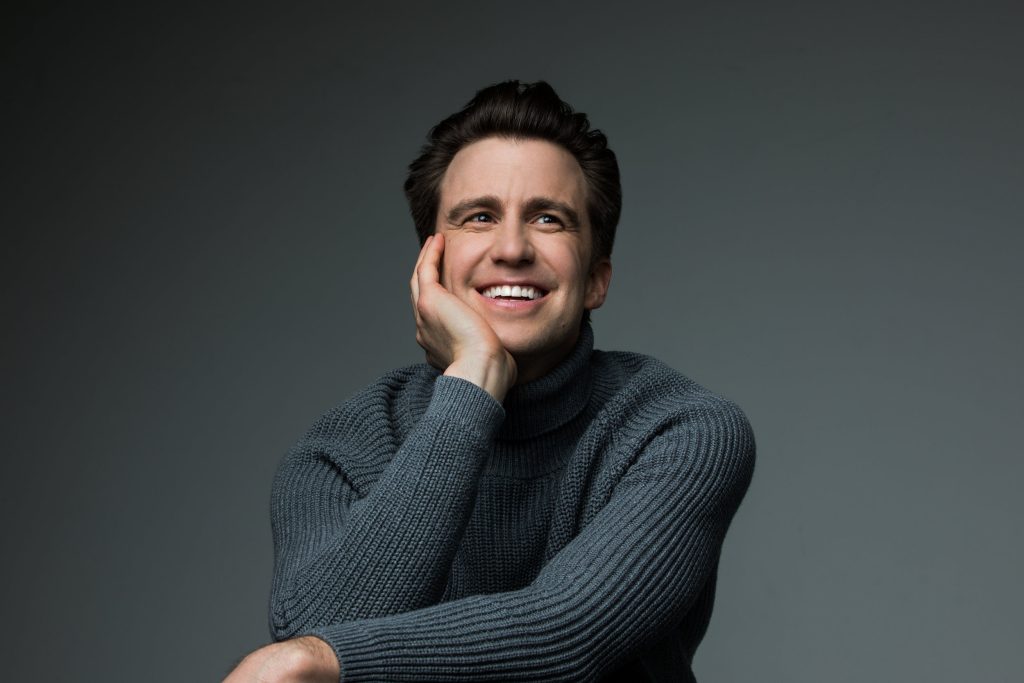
636, 382
645, 398
667, 427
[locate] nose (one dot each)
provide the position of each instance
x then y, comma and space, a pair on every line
512, 244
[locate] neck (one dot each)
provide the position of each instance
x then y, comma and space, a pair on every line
530, 368
540, 405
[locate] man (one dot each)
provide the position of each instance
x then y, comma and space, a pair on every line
522, 507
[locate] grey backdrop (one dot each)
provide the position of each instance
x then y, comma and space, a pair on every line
206, 246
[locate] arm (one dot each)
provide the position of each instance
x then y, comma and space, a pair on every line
300, 660
632, 572
339, 554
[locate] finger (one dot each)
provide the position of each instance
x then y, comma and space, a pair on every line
419, 257
429, 269
414, 285
423, 250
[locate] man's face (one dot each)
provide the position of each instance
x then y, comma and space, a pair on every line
513, 214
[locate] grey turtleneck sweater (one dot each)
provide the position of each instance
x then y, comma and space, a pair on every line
428, 533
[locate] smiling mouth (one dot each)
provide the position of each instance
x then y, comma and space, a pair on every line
513, 292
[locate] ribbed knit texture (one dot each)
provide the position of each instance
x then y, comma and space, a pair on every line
430, 534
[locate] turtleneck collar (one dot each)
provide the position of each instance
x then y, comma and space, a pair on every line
551, 401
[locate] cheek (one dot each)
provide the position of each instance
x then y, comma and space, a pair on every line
452, 273
571, 264
461, 254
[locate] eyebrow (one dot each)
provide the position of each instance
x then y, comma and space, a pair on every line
538, 204
533, 205
489, 202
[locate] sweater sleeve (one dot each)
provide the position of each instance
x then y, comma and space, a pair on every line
340, 555
630, 574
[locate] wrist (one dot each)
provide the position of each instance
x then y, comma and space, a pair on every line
318, 661
493, 374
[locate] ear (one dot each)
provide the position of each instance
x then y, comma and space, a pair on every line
597, 284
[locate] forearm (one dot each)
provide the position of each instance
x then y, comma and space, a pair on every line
577, 621
336, 562
629, 577
302, 660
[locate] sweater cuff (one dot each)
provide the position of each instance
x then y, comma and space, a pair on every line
460, 401
355, 650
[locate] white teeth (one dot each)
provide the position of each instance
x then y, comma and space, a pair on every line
513, 291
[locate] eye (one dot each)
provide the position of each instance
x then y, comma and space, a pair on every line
479, 218
549, 222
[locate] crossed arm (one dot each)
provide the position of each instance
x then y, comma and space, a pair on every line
635, 569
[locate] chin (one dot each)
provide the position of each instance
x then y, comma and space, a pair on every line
519, 341
523, 345
518, 345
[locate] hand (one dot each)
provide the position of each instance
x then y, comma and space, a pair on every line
302, 660
456, 338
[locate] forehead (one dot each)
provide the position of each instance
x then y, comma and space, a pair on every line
514, 171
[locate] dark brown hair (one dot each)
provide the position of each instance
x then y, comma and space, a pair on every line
519, 111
